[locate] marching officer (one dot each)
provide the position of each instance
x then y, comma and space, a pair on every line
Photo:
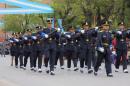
71, 50
85, 46
28, 49
93, 39
121, 47
12, 47
77, 44
38, 48
50, 47
60, 43
19, 53
104, 47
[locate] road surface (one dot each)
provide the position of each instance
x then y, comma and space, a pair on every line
10, 76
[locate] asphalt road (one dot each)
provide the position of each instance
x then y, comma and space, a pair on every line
10, 76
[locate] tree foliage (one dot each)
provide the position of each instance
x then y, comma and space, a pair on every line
74, 12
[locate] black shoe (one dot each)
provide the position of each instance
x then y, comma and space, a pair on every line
62, 67
90, 71
125, 71
24, 68
116, 70
86, 66
21, 67
11, 64
81, 71
75, 69
35, 70
109, 75
16, 66
32, 69
39, 70
47, 71
95, 73
52, 73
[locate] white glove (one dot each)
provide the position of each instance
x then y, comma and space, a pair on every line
25, 38
10, 41
16, 40
119, 32
64, 43
101, 49
58, 29
96, 28
64, 32
34, 37
114, 52
46, 36
82, 31
68, 36
111, 47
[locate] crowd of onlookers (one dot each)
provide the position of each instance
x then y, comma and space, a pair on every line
4, 49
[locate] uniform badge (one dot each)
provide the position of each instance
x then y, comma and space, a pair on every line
38, 42
50, 39
87, 40
122, 40
72, 42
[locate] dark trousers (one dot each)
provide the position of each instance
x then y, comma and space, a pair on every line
59, 55
19, 56
106, 56
82, 61
93, 55
71, 56
26, 56
121, 54
85, 58
50, 55
38, 56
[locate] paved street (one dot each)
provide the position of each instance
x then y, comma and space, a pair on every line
10, 76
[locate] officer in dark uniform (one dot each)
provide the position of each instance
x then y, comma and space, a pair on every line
121, 47
93, 43
71, 50
19, 53
28, 49
77, 44
60, 43
50, 47
12, 47
15, 48
104, 47
38, 48
85, 46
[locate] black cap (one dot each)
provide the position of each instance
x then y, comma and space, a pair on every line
38, 27
19, 33
105, 23
70, 28
85, 23
28, 30
121, 23
49, 20
14, 33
